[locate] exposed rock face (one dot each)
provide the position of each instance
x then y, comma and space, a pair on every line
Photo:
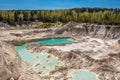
93, 30
74, 28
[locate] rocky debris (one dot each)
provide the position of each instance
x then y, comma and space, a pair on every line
18, 24
24, 24
4, 24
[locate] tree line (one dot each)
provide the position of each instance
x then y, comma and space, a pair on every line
86, 15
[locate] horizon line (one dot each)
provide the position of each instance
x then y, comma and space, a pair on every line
63, 8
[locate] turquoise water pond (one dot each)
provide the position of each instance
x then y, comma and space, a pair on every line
40, 62
83, 75
54, 41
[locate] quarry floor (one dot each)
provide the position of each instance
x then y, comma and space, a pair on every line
87, 53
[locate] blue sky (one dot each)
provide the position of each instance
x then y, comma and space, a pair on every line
57, 4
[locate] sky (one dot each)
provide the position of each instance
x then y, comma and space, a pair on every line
56, 4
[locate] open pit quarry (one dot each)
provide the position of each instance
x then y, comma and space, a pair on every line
92, 49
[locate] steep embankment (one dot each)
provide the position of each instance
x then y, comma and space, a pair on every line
9, 62
12, 67
93, 30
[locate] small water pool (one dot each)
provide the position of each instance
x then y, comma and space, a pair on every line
41, 62
55, 41
83, 75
